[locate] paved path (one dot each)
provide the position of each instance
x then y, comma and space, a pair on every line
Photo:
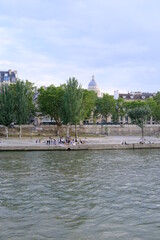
108, 142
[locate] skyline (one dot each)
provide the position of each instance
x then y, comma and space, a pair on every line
48, 42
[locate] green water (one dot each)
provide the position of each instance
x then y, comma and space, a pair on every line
83, 195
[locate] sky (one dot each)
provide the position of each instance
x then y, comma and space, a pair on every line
49, 41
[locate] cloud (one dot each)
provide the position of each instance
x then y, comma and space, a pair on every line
48, 41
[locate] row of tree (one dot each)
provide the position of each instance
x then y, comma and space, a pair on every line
70, 104
16, 103
67, 104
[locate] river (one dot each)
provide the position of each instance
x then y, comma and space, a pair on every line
80, 195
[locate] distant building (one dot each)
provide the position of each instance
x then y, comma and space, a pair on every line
132, 96
7, 77
94, 87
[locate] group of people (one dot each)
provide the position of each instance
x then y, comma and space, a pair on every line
67, 141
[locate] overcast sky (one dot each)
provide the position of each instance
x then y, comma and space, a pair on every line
48, 41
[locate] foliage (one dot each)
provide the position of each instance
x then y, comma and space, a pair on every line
134, 104
139, 115
89, 101
157, 98
23, 101
6, 106
105, 106
119, 110
72, 102
152, 104
50, 101
156, 109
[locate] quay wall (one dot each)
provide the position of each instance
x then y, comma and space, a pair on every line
82, 130
24, 147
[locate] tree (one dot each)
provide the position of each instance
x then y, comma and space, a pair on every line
30, 90
50, 102
156, 109
23, 102
72, 104
105, 106
133, 104
139, 115
119, 110
89, 101
6, 107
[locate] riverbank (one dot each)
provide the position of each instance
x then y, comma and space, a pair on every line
99, 143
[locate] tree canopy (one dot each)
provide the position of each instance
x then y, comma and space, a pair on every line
50, 102
23, 101
105, 106
89, 102
16, 103
7, 115
139, 115
72, 102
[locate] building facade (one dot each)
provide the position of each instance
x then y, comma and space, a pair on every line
8, 77
132, 96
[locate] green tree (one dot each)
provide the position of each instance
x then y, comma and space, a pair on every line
157, 98
23, 101
156, 112
50, 101
72, 104
119, 110
30, 90
89, 101
105, 106
133, 104
24, 107
152, 104
139, 115
6, 107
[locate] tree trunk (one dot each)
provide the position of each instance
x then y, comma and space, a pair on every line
76, 131
142, 132
6, 129
20, 131
58, 127
67, 133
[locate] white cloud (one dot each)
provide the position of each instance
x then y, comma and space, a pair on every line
48, 41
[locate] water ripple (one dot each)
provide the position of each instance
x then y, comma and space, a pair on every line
80, 195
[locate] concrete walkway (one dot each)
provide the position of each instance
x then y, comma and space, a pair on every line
96, 143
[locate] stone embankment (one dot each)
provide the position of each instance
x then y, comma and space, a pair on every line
82, 130
102, 143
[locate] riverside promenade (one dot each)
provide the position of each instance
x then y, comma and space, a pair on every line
90, 143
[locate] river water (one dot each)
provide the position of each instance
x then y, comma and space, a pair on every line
80, 195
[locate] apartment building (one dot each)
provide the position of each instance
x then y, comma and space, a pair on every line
7, 77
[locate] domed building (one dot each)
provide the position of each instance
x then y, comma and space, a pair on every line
94, 87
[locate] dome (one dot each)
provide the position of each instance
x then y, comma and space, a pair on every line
93, 86
92, 83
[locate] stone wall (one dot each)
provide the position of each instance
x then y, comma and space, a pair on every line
83, 130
